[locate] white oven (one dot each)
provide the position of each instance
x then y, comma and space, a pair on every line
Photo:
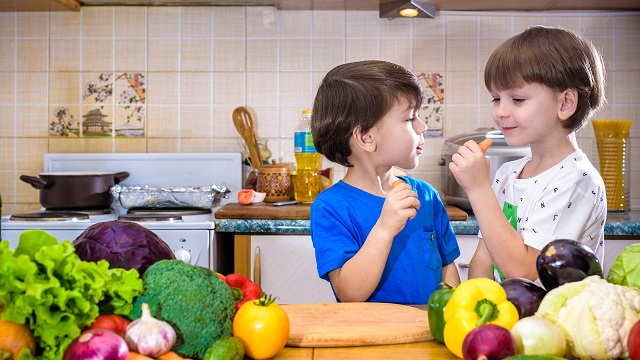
190, 234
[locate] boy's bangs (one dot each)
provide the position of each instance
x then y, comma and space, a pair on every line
502, 73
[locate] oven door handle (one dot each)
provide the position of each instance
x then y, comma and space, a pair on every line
256, 266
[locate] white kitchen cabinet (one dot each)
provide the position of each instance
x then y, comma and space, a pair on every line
467, 244
285, 266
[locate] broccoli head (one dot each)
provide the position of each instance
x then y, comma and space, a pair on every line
192, 299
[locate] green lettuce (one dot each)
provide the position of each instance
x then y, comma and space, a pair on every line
625, 269
44, 284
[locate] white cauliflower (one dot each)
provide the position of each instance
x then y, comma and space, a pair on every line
594, 315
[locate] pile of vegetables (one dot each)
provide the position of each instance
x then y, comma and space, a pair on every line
66, 303
47, 287
580, 316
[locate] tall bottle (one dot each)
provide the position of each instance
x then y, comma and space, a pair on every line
307, 184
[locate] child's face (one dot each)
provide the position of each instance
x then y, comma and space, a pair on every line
399, 136
528, 114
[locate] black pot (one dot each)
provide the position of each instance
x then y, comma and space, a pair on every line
75, 190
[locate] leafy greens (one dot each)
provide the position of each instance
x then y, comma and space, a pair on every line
44, 284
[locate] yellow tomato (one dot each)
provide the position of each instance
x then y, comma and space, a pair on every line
262, 326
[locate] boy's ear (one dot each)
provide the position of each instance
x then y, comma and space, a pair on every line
365, 141
568, 103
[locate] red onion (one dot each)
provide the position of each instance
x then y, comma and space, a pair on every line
488, 342
97, 344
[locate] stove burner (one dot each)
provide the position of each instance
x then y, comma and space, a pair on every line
50, 216
150, 217
91, 212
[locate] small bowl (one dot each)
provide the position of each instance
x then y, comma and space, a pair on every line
258, 197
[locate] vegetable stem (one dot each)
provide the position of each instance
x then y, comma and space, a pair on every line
487, 311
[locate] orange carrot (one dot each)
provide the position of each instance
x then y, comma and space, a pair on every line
136, 356
396, 183
484, 144
170, 356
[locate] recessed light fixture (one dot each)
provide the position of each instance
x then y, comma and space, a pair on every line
408, 9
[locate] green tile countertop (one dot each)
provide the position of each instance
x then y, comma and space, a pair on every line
618, 224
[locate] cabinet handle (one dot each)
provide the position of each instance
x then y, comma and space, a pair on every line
256, 266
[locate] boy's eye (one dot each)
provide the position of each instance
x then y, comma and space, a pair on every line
518, 100
495, 100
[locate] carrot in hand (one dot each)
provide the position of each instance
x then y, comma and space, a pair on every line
484, 144
396, 183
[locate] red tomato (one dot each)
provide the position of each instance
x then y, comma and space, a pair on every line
633, 341
112, 322
245, 196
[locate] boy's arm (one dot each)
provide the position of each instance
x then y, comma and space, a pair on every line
504, 245
481, 265
450, 274
359, 276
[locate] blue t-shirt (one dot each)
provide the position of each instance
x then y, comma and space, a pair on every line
342, 217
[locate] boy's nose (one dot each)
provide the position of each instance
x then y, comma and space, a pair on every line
500, 110
420, 127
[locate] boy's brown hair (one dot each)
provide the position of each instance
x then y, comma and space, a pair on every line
357, 94
553, 57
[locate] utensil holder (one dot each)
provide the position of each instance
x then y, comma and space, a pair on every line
275, 181
613, 154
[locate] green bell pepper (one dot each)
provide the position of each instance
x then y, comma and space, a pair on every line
435, 310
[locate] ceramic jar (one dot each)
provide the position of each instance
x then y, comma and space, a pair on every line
275, 181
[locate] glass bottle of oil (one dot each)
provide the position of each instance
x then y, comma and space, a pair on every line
307, 182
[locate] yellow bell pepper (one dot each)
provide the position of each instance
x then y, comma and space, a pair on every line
476, 302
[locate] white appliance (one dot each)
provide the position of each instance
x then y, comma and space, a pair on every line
189, 234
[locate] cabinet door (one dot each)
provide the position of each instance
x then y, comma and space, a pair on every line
287, 269
468, 245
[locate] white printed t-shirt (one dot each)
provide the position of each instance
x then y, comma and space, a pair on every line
567, 201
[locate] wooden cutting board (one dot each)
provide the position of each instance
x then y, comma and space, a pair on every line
355, 324
266, 211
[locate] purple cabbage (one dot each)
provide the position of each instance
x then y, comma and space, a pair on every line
123, 244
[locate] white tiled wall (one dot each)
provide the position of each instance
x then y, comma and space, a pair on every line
202, 62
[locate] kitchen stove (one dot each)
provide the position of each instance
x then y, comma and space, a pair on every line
189, 232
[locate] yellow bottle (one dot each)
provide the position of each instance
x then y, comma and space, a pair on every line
307, 182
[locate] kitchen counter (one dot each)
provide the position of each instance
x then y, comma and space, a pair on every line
618, 224
421, 350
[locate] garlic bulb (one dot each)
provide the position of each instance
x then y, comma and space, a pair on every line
149, 336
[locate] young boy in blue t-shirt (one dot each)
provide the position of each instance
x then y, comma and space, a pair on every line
374, 241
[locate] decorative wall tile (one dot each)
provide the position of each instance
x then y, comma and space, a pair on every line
432, 110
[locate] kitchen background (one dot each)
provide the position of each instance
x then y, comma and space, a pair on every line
166, 79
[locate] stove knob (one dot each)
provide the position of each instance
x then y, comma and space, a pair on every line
183, 255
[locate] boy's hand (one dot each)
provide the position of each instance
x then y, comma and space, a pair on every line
402, 204
470, 167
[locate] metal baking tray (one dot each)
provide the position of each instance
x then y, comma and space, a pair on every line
204, 197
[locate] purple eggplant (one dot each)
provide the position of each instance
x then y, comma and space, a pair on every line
524, 294
562, 261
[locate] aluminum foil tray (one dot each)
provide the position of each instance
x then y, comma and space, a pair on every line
204, 197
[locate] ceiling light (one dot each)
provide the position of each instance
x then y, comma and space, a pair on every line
407, 8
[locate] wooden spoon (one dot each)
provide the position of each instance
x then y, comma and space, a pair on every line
243, 121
